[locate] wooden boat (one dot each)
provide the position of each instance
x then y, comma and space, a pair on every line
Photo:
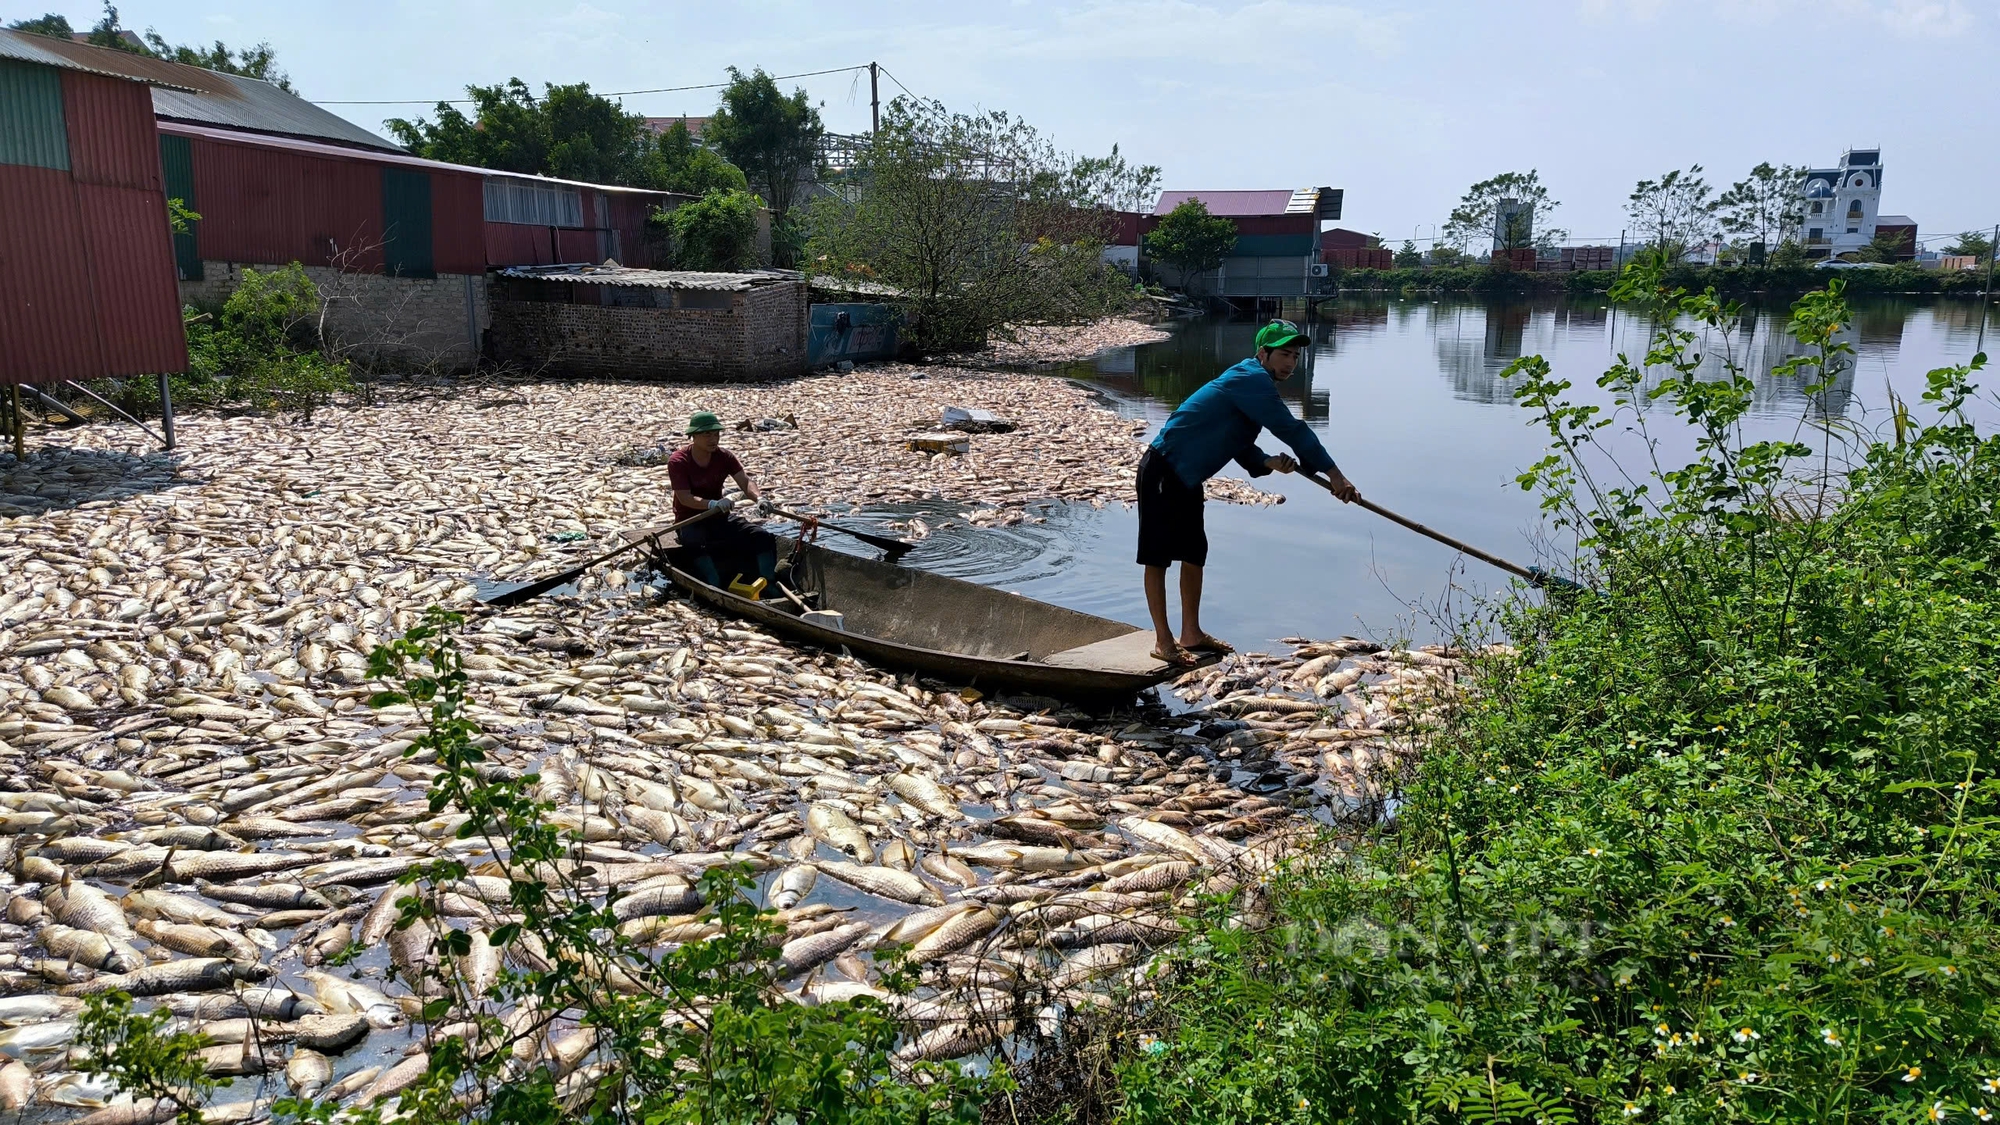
948, 628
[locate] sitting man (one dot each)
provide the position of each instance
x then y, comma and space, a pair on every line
723, 544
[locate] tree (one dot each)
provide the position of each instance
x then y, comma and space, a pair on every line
259, 62
51, 25
1474, 216
1888, 248
1673, 212
1788, 256
716, 232
1974, 243
1442, 255
567, 132
1765, 206
978, 223
1407, 258
773, 138
1191, 240
251, 62
681, 164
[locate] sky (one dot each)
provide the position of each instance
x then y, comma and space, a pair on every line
1401, 105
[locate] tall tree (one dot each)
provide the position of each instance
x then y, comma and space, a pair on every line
773, 138
1191, 240
1673, 212
1473, 218
251, 62
567, 132
977, 222
1407, 258
679, 163
1765, 206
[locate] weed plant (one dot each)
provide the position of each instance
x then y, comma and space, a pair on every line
1716, 842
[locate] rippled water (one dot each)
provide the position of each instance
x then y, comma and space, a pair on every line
1409, 397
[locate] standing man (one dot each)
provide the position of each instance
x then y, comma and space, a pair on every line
698, 471
1217, 424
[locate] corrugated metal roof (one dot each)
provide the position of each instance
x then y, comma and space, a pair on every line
193, 93
389, 156
48, 51
611, 273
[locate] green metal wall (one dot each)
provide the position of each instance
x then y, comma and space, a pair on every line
177, 168
31, 116
406, 224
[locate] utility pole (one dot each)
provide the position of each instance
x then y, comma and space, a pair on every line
1985, 301
874, 99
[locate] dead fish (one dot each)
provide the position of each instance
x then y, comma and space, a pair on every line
198, 941
838, 831
88, 947
196, 974
793, 884
87, 908
308, 1072
351, 997
394, 1080
885, 882
898, 853
811, 952
665, 895
17, 1086
946, 868
925, 793
265, 896
1023, 857
956, 933
170, 907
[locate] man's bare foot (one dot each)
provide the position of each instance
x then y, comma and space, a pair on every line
1206, 643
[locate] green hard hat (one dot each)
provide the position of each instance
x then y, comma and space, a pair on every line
705, 423
1281, 334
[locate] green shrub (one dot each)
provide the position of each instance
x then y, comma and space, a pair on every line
1718, 843
716, 232
263, 348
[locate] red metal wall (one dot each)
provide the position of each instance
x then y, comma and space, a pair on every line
111, 136
87, 284
272, 203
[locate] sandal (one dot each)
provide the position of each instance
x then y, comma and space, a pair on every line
1210, 644
1178, 658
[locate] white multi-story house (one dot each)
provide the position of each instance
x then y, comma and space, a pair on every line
1843, 206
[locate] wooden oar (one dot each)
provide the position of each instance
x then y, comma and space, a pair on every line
540, 586
1533, 574
897, 548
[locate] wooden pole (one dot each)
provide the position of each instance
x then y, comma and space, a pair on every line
167, 408
1986, 301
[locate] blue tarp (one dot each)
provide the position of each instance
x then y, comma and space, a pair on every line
851, 332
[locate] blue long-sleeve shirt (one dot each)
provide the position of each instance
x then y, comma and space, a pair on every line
1221, 421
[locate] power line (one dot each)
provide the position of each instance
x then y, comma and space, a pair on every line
615, 93
899, 82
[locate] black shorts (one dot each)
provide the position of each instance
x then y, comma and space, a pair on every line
1170, 525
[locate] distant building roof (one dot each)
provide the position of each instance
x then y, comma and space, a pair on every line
192, 93
1894, 221
695, 125
611, 273
1323, 202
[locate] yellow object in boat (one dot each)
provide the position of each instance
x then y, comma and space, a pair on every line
752, 590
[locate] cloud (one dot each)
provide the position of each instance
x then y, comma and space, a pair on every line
1915, 19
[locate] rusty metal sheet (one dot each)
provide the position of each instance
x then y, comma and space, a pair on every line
131, 256
517, 244
48, 317
252, 204
458, 226
112, 139
341, 209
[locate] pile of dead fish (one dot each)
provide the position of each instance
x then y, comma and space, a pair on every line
1046, 344
199, 808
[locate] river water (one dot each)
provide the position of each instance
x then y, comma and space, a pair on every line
1408, 396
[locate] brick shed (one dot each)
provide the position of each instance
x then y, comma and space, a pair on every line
656, 324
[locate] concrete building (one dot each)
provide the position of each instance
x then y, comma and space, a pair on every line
654, 324
1277, 252
1842, 208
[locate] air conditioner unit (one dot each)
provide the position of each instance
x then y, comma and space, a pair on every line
1316, 269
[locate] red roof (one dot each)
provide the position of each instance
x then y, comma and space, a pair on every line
1233, 204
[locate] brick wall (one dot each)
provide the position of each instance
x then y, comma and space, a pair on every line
760, 335
392, 321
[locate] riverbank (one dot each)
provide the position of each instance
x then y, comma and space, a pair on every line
1041, 345
1729, 280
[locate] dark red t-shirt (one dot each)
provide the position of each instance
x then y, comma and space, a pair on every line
705, 481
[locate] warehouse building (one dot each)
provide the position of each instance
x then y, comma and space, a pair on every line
1277, 252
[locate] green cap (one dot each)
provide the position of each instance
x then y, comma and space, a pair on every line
1281, 334
705, 423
